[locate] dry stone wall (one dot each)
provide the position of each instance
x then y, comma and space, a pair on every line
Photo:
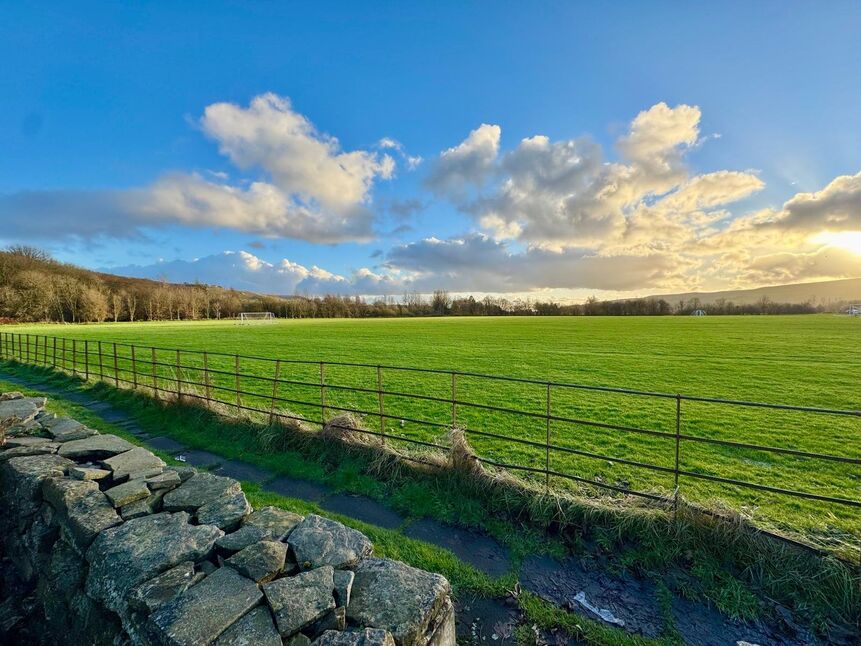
102, 543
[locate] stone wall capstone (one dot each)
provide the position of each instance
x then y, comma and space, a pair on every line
103, 543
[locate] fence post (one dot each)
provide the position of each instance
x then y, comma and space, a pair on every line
54, 358
380, 402
101, 361
178, 380
63, 361
274, 391
678, 443
74, 358
236, 371
547, 444
322, 394
86, 360
116, 368
27, 355
134, 369
154, 374
206, 376
453, 399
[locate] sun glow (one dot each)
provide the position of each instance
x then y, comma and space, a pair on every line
849, 240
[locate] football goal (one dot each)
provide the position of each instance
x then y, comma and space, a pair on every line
253, 317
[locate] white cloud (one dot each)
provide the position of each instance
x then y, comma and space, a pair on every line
466, 165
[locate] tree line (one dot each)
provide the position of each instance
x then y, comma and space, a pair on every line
35, 287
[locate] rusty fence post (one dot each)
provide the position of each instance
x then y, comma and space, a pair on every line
178, 378
27, 355
238, 383
134, 369
380, 403
116, 368
86, 360
274, 391
101, 362
54, 359
322, 394
206, 377
74, 357
154, 372
453, 399
63, 359
678, 446
547, 443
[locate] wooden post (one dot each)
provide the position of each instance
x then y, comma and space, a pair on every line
322, 394
274, 391
64, 354
86, 360
54, 360
154, 375
101, 361
178, 378
116, 369
74, 357
28, 349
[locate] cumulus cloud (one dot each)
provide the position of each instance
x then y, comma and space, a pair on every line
246, 271
466, 165
306, 187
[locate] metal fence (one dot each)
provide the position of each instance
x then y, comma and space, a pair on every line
405, 402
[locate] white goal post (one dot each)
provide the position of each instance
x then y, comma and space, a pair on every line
251, 317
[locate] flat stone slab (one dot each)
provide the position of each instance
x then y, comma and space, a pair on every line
396, 597
595, 593
24, 409
479, 550
199, 459
143, 507
294, 488
122, 557
33, 449
22, 479
17, 442
165, 444
277, 522
97, 446
168, 479
355, 637
198, 490
136, 463
243, 471
254, 629
78, 433
363, 508
88, 473
127, 493
225, 512
206, 610
84, 510
166, 586
242, 538
260, 562
300, 600
319, 541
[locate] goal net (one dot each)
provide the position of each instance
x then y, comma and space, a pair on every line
253, 317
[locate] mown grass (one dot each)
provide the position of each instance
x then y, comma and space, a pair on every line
711, 563
800, 360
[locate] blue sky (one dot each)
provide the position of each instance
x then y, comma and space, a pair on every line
667, 145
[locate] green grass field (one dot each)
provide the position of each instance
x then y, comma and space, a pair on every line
800, 360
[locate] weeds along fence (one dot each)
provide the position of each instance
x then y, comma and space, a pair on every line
625, 442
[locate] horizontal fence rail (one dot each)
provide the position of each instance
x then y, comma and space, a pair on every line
311, 391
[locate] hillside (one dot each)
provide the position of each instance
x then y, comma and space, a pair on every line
822, 293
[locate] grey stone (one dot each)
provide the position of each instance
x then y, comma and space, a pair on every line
335, 619
260, 562
343, 586
35, 449
84, 511
206, 567
144, 507
401, 599
78, 433
225, 512
169, 479
242, 538
319, 541
88, 473
97, 446
185, 472
445, 631
198, 490
300, 600
127, 493
254, 629
136, 463
298, 640
166, 586
12, 394
15, 442
59, 424
22, 479
122, 557
278, 522
205, 610
357, 637
24, 409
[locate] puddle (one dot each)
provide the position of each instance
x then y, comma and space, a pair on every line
200, 459
364, 509
479, 550
243, 471
164, 444
294, 488
628, 600
489, 621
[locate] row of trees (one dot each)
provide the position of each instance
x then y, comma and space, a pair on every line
35, 287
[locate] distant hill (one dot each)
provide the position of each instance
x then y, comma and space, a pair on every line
822, 293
